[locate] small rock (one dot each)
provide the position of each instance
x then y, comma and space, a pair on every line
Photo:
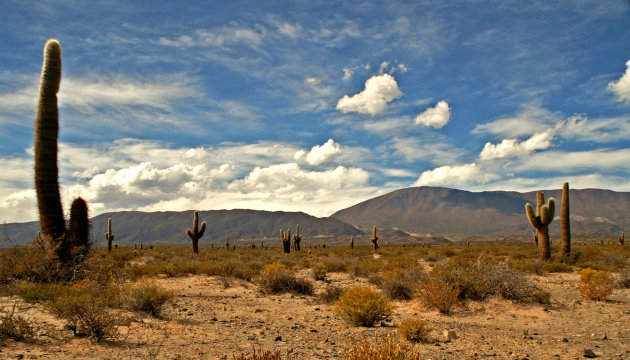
450, 334
565, 340
604, 337
588, 353
279, 338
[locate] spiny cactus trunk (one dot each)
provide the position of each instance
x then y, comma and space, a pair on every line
109, 236
196, 233
296, 239
374, 239
46, 131
352, 242
78, 234
540, 221
564, 222
286, 240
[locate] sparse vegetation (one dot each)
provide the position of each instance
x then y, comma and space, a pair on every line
276, 278
595, 284
16, 327
389, 348
363, 306
414, 329
149, 298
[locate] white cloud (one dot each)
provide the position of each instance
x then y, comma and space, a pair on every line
436, 117
433, 149
378, 92
598, 160
599, 130
292, 31
530, 120
460, 175
229, 35
621, 87
513, 148
319, 153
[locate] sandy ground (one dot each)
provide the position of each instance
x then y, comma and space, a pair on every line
209, 321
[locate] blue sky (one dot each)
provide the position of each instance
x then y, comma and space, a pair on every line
315, 105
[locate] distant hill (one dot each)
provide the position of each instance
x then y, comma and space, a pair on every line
412, 215
169, 227
460, 214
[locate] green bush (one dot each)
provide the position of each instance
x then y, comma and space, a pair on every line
363, 306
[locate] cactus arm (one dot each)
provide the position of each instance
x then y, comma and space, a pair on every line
534, 220
189, 233
202, 229
546, 215
552, 208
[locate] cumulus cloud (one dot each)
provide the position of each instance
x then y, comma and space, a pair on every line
460, 175
319, 153
509, 148
436, 117
621, 87
378, 92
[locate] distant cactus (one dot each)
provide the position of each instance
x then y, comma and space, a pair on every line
352, 242
296, 239
109, 235
46, 131
564, 222
196, 233
540, 221
286, 240
621, 239
374, 239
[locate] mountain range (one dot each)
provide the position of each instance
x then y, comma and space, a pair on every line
417, 214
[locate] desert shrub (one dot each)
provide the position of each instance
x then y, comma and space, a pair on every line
330, 294
530, 266
148, 298
363, 306
624, 280
39, 293
439, 294
262, 355
276, 278
397, 285
556, 267
389, 348
319, 272
86, 315
414, 329
16, 327
336, 265
595, 284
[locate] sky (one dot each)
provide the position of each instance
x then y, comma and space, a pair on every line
315, 106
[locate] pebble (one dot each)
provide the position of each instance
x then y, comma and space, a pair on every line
588, 353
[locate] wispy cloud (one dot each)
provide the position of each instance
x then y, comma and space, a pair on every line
459, 175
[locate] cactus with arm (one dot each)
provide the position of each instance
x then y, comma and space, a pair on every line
109, 236
296, 239
196, 233
374, 239
286, 240
540, 221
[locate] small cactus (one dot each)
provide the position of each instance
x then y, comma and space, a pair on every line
621, 239
540, 221
196, 233
374, 239
565, 226
109, 235
296, 239
286, 240
352, 242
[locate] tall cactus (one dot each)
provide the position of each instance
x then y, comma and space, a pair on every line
109, 235
621, 239
540, 221
374, 239
565, 226
46, 131
196, 233
352, 242
296, 239
285, 236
